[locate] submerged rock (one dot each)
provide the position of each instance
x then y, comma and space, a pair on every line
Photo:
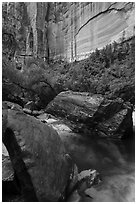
93, 114
38, 156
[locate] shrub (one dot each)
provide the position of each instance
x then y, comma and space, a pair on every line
109, 71
106, 71
29, 84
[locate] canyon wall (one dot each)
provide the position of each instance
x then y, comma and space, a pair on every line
71, 30
87, 26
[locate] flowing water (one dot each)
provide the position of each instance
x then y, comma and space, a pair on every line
115, 161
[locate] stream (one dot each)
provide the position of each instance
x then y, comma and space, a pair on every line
114, 160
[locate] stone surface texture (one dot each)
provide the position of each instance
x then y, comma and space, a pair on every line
93, 114
86, 26
43, 153
74, 29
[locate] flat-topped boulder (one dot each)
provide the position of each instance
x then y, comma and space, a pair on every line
93, 114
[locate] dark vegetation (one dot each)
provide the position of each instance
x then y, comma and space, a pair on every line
31, 84
109, 71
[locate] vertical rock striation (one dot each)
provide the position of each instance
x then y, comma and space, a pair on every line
87, 26
72, 30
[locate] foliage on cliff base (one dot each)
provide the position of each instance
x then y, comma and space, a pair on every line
109, 71
30, 84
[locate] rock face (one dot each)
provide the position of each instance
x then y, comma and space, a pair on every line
73, 29
86, 26
10, 186
103, 22
7, 169
93, 114
38, 157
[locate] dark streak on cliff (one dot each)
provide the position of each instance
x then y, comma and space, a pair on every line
109, 9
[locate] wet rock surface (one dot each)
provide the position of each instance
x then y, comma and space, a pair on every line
93, 114
67, 135
37, 153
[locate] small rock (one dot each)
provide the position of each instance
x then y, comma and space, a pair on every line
28, 111
30, 105
13, 106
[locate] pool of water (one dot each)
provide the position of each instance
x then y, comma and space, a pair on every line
115, 161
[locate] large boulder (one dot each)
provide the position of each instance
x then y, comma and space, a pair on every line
38, 157
93, 114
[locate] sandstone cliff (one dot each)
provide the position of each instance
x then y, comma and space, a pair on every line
87, 26
73, 30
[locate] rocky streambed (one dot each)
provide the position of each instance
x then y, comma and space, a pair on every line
76, 132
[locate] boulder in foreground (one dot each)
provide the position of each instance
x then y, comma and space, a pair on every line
38, 156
